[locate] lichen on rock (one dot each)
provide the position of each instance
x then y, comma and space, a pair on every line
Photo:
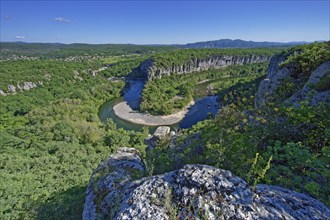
195, 191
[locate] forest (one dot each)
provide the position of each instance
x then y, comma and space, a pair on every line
51, 138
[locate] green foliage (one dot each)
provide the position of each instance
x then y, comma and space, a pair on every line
122, 68
286, 89
51, 139
257, 173
164, 96
295, 166
324, 83
306, 58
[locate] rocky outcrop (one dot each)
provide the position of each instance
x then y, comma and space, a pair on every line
21, 87
150, 70
109, 182
2, 93
29, 85
76, 75
276, 76
162, 131
117, 191
116, 79
268, 86
308, 93
11, 88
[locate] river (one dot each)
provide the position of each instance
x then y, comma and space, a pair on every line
205, 106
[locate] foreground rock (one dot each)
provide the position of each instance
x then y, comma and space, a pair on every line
117, 191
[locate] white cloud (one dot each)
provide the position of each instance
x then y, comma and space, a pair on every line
20, 37
61, 19
7, 17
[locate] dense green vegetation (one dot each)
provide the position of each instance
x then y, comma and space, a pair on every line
13, 72
306, 58
122, 67
51, 139
169, 94
302, 61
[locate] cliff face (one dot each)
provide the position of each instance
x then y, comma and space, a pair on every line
150, 70
117, 191
272, 81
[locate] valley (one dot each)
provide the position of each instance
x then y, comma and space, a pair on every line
244, 115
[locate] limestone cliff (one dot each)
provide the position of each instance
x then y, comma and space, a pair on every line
117, 191
151, 70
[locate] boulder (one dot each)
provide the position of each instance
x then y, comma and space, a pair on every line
117, 191
2, 93
11, 88
29, 85
19, 87
160, 132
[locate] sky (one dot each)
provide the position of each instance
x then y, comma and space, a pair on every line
163, 22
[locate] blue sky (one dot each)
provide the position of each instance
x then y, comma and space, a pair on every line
163, 22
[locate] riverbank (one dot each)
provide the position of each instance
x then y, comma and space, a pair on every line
123, 111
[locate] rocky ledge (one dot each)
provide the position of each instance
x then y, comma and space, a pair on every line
117, 191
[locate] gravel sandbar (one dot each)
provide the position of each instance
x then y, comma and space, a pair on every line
125, 112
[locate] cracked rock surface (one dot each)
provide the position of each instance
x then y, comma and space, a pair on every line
117, 190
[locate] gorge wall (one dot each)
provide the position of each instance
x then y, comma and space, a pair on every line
150, 70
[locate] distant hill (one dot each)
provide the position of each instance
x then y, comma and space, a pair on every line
66, 50
228, 43
76, 49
